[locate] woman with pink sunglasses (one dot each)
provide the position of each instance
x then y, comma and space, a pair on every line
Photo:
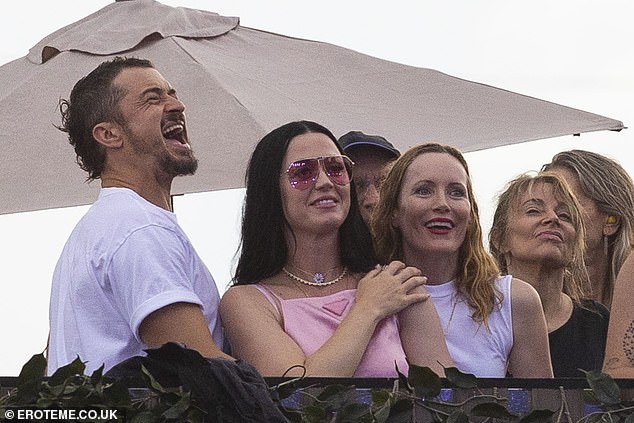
308, 295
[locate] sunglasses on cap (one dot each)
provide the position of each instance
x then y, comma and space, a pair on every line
302, 174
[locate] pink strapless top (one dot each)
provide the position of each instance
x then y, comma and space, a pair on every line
312, 321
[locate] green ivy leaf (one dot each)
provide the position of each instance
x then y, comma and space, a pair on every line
336, 397
538, 416
151, 381
381, 415
458, 416
96, 379
331, 391
144, 417
54, 391
30, 378
491, 409
69, 390
44, 402
116, 394
425, 382
603, 387
76, 367
402, 411
33, 369
590, 398
195, 415
381, 397
178, 409
629, 419
355, 413
460, 379
314, 414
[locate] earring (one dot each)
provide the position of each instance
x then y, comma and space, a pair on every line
611, 220
605, 243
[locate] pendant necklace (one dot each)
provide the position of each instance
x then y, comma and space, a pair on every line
318, 278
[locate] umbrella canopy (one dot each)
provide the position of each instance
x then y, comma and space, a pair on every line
237, 84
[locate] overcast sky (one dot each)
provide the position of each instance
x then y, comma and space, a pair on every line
574, 52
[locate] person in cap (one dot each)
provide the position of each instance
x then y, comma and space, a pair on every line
372, 155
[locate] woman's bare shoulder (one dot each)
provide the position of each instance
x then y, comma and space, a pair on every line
524, 295
241, 294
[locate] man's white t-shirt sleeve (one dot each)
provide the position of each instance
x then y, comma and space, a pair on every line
148, 272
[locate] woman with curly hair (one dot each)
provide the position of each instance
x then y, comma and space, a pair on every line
427, 217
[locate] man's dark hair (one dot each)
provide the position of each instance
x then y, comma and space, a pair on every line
264, 249
94, 99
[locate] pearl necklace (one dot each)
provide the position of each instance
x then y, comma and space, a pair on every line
318, 278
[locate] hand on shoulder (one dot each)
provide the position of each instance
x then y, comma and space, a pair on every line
391, 288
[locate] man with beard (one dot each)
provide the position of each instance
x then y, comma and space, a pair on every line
128, 278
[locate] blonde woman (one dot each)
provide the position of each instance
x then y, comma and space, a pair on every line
606, 193
538, 236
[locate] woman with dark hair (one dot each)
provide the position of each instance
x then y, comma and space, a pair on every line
538, 236
428, 218
308, 294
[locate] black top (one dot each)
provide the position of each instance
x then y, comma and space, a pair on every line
580, 342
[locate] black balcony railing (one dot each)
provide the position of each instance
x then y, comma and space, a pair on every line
568, 399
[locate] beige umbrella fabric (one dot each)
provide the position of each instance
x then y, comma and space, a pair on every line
239, 83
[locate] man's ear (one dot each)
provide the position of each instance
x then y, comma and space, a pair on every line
108, 134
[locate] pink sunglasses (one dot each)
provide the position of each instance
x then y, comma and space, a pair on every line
302, 174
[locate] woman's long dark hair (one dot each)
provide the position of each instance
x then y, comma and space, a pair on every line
263, 247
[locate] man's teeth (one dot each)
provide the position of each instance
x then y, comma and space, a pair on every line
173, 129
326, 201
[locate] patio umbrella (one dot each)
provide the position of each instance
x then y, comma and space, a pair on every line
239, 83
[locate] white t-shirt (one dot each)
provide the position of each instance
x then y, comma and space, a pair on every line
125, 259
474, 348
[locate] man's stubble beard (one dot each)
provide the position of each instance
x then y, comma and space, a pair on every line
180, 167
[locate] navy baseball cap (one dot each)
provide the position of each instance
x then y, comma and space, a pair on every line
353, 138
